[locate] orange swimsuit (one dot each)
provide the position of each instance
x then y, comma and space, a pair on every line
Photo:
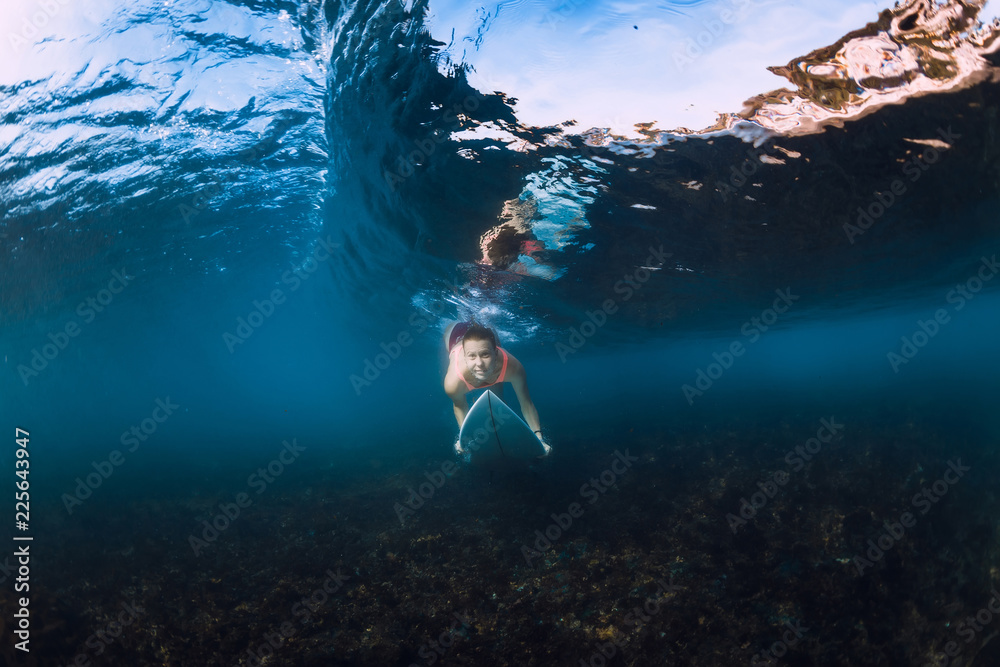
454, 363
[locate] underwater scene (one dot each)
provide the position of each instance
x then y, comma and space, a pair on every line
542, 332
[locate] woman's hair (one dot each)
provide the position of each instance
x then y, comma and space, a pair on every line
477, 331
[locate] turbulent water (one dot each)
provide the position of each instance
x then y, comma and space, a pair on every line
234, 232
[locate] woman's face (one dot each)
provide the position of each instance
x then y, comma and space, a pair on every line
479, 355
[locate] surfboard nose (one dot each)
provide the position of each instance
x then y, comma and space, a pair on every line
495, 436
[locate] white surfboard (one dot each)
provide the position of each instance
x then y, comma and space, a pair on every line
494, 436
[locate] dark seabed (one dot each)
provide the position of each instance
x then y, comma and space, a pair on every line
764, 351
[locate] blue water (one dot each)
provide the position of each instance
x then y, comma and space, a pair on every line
234, 234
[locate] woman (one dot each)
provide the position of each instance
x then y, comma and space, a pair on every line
476, 361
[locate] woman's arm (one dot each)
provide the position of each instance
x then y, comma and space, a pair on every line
461, 410
457, 396
518, 378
